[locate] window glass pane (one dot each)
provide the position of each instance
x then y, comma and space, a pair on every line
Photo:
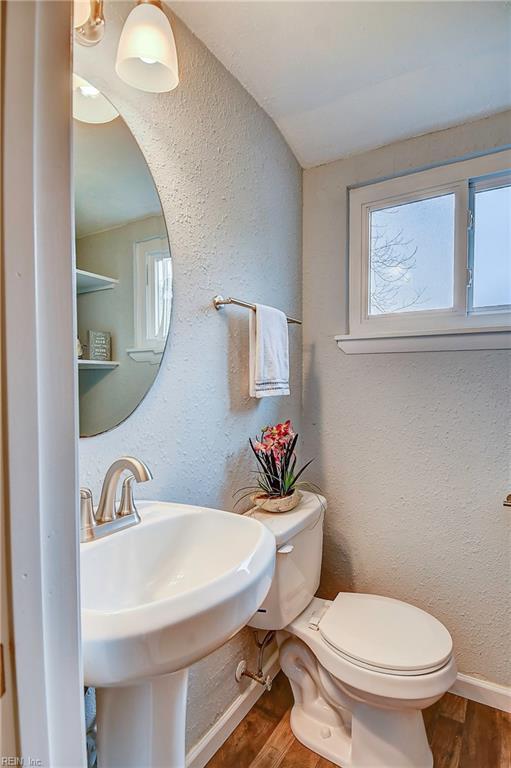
162, 297
158, 294
412, 256
492, 248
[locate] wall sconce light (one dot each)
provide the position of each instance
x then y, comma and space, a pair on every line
81, 12
147, 56
89, 104
89, 27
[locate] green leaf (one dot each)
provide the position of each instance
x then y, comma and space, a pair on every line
302, 469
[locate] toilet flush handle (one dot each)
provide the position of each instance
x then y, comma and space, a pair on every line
285, 549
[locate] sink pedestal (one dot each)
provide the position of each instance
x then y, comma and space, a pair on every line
143, 725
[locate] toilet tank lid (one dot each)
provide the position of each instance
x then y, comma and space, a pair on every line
285, 525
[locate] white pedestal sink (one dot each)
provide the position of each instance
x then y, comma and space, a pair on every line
155, 599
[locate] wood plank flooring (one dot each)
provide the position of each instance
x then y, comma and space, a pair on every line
462, 734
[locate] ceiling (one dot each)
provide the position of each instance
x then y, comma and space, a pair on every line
342, 77
113, 184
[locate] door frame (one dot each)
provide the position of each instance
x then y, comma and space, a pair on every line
8, 707
41, 381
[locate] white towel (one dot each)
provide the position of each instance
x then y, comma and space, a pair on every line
269, 352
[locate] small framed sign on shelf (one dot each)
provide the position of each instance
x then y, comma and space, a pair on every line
99, 345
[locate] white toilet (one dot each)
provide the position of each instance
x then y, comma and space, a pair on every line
362, 667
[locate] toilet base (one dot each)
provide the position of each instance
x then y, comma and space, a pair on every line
381, 744
329, 741
346, 730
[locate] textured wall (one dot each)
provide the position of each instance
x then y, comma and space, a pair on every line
231, 194
413, 449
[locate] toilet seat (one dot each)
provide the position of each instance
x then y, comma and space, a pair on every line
385, 635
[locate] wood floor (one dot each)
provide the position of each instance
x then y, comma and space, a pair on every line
462, 734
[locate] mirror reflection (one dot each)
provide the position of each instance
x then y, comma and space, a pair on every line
123, 265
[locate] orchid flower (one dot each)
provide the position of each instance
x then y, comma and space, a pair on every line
274, 450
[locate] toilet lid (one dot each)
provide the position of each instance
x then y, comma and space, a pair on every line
385, 635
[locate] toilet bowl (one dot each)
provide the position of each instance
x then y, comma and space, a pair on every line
361, 667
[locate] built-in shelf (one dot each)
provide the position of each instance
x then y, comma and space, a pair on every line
88, 282
97, 365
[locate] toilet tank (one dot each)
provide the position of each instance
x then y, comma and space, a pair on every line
299, 543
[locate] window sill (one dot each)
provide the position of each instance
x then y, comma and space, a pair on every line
437, 341
145, 355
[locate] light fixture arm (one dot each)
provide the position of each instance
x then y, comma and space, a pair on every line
93, 31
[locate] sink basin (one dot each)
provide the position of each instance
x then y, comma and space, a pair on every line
161, 595
156, 598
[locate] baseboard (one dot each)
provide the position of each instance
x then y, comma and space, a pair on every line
200, 753
482, 691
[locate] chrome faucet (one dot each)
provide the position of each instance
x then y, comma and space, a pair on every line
106, 511
108, 517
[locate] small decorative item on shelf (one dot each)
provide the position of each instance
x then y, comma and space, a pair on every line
100, 345
79, 349
277, 489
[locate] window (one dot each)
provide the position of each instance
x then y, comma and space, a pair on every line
430, 259
490, 245
412, 256
153, 293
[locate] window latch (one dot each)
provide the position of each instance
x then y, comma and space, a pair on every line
470, 218
470, 276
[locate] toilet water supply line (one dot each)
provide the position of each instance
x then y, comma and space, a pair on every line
242, 671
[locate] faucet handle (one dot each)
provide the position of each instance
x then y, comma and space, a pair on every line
87, 519
127, 505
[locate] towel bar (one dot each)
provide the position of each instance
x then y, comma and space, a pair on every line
219, 302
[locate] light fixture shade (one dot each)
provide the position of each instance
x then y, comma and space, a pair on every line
81, 12
89, 104
147, 56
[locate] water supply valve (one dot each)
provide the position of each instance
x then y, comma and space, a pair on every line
242, 671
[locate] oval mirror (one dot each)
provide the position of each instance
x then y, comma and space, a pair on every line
123, 265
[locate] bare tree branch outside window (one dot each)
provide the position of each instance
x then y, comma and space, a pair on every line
393, 259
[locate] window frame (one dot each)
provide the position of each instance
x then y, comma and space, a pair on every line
141, 291
456, 178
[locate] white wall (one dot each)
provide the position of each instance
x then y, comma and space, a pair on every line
413, 449
231, 194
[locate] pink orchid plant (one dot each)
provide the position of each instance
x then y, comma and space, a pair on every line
277, 475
